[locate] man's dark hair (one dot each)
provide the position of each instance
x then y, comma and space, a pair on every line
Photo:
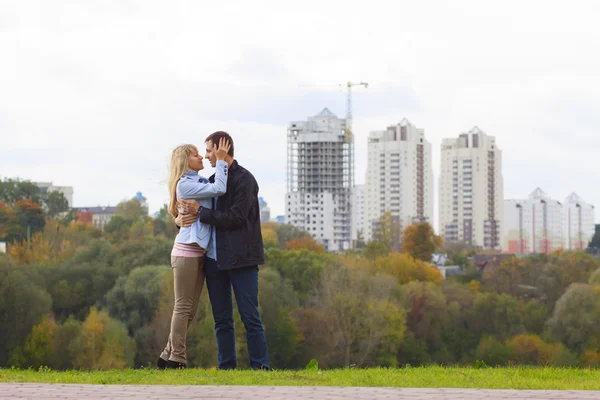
216, 137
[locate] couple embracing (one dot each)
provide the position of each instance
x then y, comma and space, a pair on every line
219, 241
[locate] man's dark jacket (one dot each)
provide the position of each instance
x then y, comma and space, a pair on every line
237, 221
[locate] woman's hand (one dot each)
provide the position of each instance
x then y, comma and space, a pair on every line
223, 149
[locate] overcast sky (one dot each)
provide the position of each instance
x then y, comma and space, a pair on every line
95, 95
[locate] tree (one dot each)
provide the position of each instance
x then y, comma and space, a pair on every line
131, 210
492, 352
277, 300
22, 305
420, 241
302, 268
55, 203
426, 312
387, 232
356, 312
103, 343
134, 298
406, 269
13, 190
575, 318
497, 314
287, 232
39, 345
532, 350
65, 343
306, 243
594, 245
269, 235
164, 224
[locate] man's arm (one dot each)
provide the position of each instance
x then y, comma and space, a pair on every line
237, 214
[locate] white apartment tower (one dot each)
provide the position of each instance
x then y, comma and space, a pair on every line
471, 193
399, 177
533, 225
578, 217
320, 169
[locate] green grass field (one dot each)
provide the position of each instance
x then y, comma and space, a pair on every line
425, 377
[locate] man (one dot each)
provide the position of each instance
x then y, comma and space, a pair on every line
233, 256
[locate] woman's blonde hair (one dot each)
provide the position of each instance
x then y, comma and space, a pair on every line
178, 167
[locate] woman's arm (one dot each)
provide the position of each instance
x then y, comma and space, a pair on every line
205, 190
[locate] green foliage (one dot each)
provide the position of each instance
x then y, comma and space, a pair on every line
22, 305
492, 352
301, 268
594, 245
575, 318
313, 365
134, 298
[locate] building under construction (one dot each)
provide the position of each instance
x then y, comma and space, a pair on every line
320, 177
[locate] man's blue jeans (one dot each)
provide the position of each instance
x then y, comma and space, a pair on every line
245, 287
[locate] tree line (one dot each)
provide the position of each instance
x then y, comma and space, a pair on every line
76, 297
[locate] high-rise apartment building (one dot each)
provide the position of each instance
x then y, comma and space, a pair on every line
319, 179
399, 177
578, 217
471, 193
533, 225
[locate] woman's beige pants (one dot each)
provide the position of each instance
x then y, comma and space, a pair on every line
188, 275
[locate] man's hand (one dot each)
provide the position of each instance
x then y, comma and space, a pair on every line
185, 220
188, 206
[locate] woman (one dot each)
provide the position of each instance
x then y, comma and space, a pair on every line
187, 256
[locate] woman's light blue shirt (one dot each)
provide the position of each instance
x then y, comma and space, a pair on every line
196, 187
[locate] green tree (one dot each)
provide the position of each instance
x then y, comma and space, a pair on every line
164, 223
277, 301
22, 305
134, 298
387, 232
65, 344
594, 245
131, 210
497, 314
13, 190
302, 268
575, 318
55, 203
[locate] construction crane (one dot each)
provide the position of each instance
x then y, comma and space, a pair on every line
349, 133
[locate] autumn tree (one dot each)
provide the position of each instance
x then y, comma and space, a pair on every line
306, 243
420, 241
406, 269
103, 343
287, 232
39, 344
14, 190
